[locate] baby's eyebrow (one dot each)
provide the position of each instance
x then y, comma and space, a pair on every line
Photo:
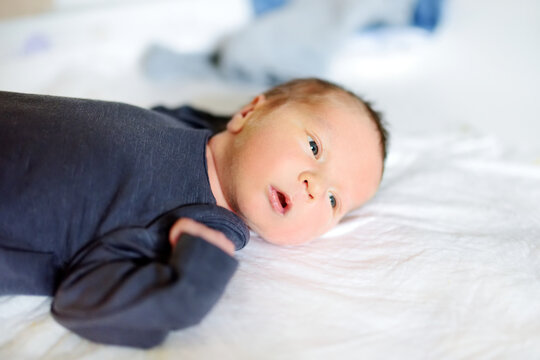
320, 120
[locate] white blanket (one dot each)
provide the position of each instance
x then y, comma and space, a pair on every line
444, 263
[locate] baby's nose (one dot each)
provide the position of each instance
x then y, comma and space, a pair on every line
306, 183
313, 188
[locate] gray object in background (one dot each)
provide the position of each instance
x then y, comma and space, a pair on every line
296, 40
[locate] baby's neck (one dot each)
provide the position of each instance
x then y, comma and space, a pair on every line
213, 177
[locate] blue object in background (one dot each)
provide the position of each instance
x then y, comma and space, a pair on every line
36, 43
427, 14
263, 6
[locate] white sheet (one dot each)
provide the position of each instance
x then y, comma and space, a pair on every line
443, 264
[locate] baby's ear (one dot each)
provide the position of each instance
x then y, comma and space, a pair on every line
237, 122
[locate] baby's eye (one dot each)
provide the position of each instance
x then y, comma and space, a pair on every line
333, 202
313, 146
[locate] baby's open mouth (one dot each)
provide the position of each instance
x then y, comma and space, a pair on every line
282, 199
278, 200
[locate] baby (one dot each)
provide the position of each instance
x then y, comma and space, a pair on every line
130, 217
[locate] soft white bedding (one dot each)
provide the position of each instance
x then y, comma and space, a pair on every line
444, 263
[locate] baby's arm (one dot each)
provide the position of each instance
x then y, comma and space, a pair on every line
128, 289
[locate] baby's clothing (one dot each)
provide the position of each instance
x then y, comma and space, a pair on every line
88, 193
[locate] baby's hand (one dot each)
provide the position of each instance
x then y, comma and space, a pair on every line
195, 228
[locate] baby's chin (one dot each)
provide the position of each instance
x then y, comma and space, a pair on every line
282, 236
286, 240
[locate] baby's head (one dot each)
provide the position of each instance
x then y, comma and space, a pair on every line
296, 159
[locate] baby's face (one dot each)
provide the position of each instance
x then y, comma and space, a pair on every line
298, 169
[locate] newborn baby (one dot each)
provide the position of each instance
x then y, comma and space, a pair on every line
130, 217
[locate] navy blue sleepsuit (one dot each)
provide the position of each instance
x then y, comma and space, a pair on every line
88, 192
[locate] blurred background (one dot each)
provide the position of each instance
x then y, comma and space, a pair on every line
475, 69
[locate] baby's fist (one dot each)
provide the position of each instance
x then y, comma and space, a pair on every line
195, 228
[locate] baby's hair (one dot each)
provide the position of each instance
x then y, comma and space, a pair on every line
313, 90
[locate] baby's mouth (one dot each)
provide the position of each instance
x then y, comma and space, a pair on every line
278, 200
